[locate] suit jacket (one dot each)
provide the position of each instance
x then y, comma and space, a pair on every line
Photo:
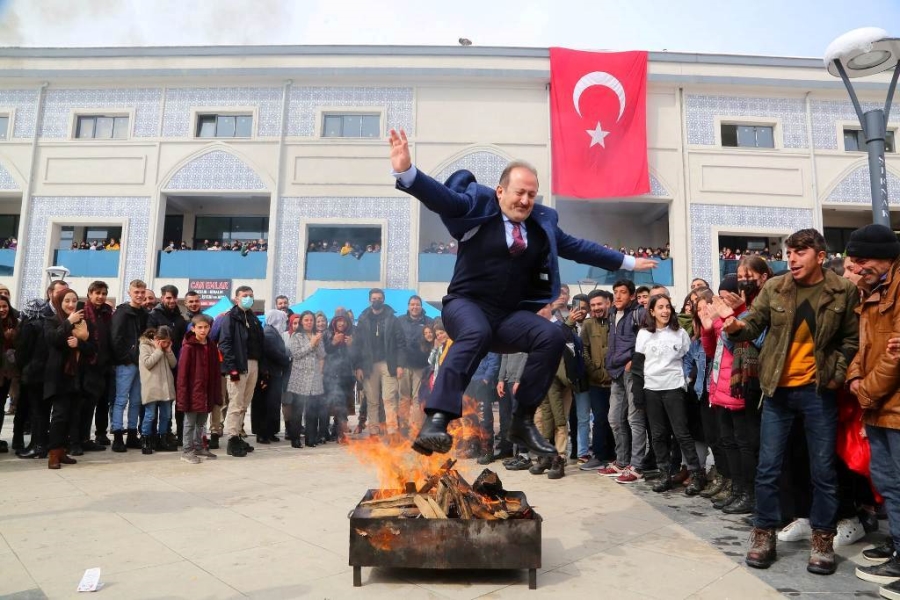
463, 204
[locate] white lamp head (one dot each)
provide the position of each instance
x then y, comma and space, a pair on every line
864, 51
57, 272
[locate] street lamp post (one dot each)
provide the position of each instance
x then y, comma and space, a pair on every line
859, 53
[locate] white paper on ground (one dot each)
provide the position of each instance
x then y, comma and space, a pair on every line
90, 581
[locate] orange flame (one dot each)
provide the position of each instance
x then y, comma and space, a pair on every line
397, 464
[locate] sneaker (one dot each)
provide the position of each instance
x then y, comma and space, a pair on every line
849, 531
190, 457
797, 530
891, 590
612, 470
583, 460
592, 465
881, 553
522, 463
630, 475
886, 572
204, 453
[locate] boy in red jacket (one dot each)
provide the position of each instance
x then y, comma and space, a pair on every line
199, 386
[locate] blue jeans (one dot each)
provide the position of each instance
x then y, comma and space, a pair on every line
128, 392
885, 467
602, 443
149, 426
583, 411
819, 415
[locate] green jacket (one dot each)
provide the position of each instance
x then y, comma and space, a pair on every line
837, 330
595, 336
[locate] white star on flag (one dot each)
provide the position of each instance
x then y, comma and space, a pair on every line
597, 135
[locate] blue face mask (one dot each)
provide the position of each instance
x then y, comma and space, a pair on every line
247, 302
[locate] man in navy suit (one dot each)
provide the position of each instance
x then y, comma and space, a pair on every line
506, 270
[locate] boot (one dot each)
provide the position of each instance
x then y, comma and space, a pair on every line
821, 553
664, 482
543, 463
247, 447
147, 444
214, 441
76, 449
524, 432
235, 447
679, 475
698, 482
165, 443
761, 554
102, 439
724, 493
118, 444
133, 441
713, 487
433, 436
65, 458
53, 459
735, 492
557, 469
742, 505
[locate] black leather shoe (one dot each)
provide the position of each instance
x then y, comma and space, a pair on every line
433, 436
92, 446
524, 432
32, 452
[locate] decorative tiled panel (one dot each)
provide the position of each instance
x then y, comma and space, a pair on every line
306, 101
44, 208
181, 101
294, 211
7, 181
657, 188
701, 112
59, 104
25, 104
855, 188
827, 113
486, 166
216, 170
706, 216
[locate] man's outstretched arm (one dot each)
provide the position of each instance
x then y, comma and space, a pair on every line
433, 194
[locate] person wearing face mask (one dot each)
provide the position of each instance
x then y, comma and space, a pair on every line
377, 347
241, 343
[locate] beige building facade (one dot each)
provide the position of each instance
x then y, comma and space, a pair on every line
287, 144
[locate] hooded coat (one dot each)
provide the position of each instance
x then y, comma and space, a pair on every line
157, 379
199, 385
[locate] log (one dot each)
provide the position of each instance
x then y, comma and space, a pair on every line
438, 511
403, 500
410, 487
489, 484
432, 479
425, 508
385, 513
443, 497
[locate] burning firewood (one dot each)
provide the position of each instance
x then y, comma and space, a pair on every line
399, 501
434, 477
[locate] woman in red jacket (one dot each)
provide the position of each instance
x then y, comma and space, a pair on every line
199, 386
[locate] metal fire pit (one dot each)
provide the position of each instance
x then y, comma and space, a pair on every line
418, 543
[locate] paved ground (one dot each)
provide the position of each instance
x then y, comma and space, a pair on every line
274, 525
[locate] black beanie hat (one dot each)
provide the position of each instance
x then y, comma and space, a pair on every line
729, 283
873, 241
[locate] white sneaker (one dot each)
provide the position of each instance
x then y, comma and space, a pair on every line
796, 531
849, 531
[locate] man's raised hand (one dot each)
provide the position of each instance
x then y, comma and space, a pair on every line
400, 159
645, 264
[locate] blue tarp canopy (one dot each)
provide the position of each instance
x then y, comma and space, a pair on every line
223, 306
357, 300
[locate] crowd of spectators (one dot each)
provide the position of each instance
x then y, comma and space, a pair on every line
110, 244
355, 249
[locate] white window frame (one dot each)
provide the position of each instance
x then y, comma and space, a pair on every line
225, 111
324, 111
773, 122
305, 224
10, 114
116, 112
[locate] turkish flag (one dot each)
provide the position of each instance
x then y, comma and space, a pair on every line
598, 116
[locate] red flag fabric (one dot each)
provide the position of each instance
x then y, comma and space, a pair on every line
598, 117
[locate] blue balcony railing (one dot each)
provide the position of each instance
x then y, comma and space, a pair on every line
89, 263
572, 272
331, 266
196, 264
7, 261
727, 267
439, 268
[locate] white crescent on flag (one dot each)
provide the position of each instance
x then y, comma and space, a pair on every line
602, 79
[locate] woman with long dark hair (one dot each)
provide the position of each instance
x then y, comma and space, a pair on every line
306, 382
68, 344
338, 377
660, 346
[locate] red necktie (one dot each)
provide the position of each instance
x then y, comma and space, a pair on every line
518, 244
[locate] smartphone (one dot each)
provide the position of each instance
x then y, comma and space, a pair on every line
80, 305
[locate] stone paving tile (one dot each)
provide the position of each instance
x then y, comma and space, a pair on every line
274, 525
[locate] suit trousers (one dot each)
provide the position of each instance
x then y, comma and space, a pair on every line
240, 393
477, 329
